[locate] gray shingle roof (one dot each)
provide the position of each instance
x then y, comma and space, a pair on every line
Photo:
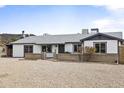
60, 39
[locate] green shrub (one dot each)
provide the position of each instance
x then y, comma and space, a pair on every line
89, 52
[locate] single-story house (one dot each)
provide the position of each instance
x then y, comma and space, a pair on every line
105, 43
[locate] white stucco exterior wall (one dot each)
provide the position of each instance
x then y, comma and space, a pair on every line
69, 48
37, 49
55, 49
18, 50
112, 45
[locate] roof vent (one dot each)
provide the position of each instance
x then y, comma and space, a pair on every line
85, 31
94, 30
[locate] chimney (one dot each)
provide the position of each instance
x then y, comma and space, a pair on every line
46, 34
94, 30
23, 34
85, 31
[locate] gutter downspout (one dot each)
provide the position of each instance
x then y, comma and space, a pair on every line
118, 54
83, 48
83, 51
41, 51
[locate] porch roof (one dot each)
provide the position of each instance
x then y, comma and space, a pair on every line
101, 36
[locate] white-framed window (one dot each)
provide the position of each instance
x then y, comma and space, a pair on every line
101, 47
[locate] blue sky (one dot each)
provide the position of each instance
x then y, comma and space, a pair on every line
59, 19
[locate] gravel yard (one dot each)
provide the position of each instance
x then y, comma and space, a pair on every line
16, 72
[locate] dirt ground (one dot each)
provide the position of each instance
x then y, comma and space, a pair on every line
21, 73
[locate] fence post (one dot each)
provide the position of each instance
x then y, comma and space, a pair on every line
44, 55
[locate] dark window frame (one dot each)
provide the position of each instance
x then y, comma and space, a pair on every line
76, 46
61, 48
28, 48
100, 47
47, 48
44, 48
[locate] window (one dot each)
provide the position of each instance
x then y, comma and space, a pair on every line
97, 48
103, 47
100, 47
61, 48
47, 48
28, 48
76, 48
43, 48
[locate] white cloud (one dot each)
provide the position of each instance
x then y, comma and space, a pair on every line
113, 22
102, 23
115, 7
109, 24
118, 8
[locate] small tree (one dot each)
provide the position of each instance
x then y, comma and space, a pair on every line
80, 49
89, 52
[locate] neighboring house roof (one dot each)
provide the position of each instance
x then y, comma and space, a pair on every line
60, 39
18, 36
101, 36
6, 38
